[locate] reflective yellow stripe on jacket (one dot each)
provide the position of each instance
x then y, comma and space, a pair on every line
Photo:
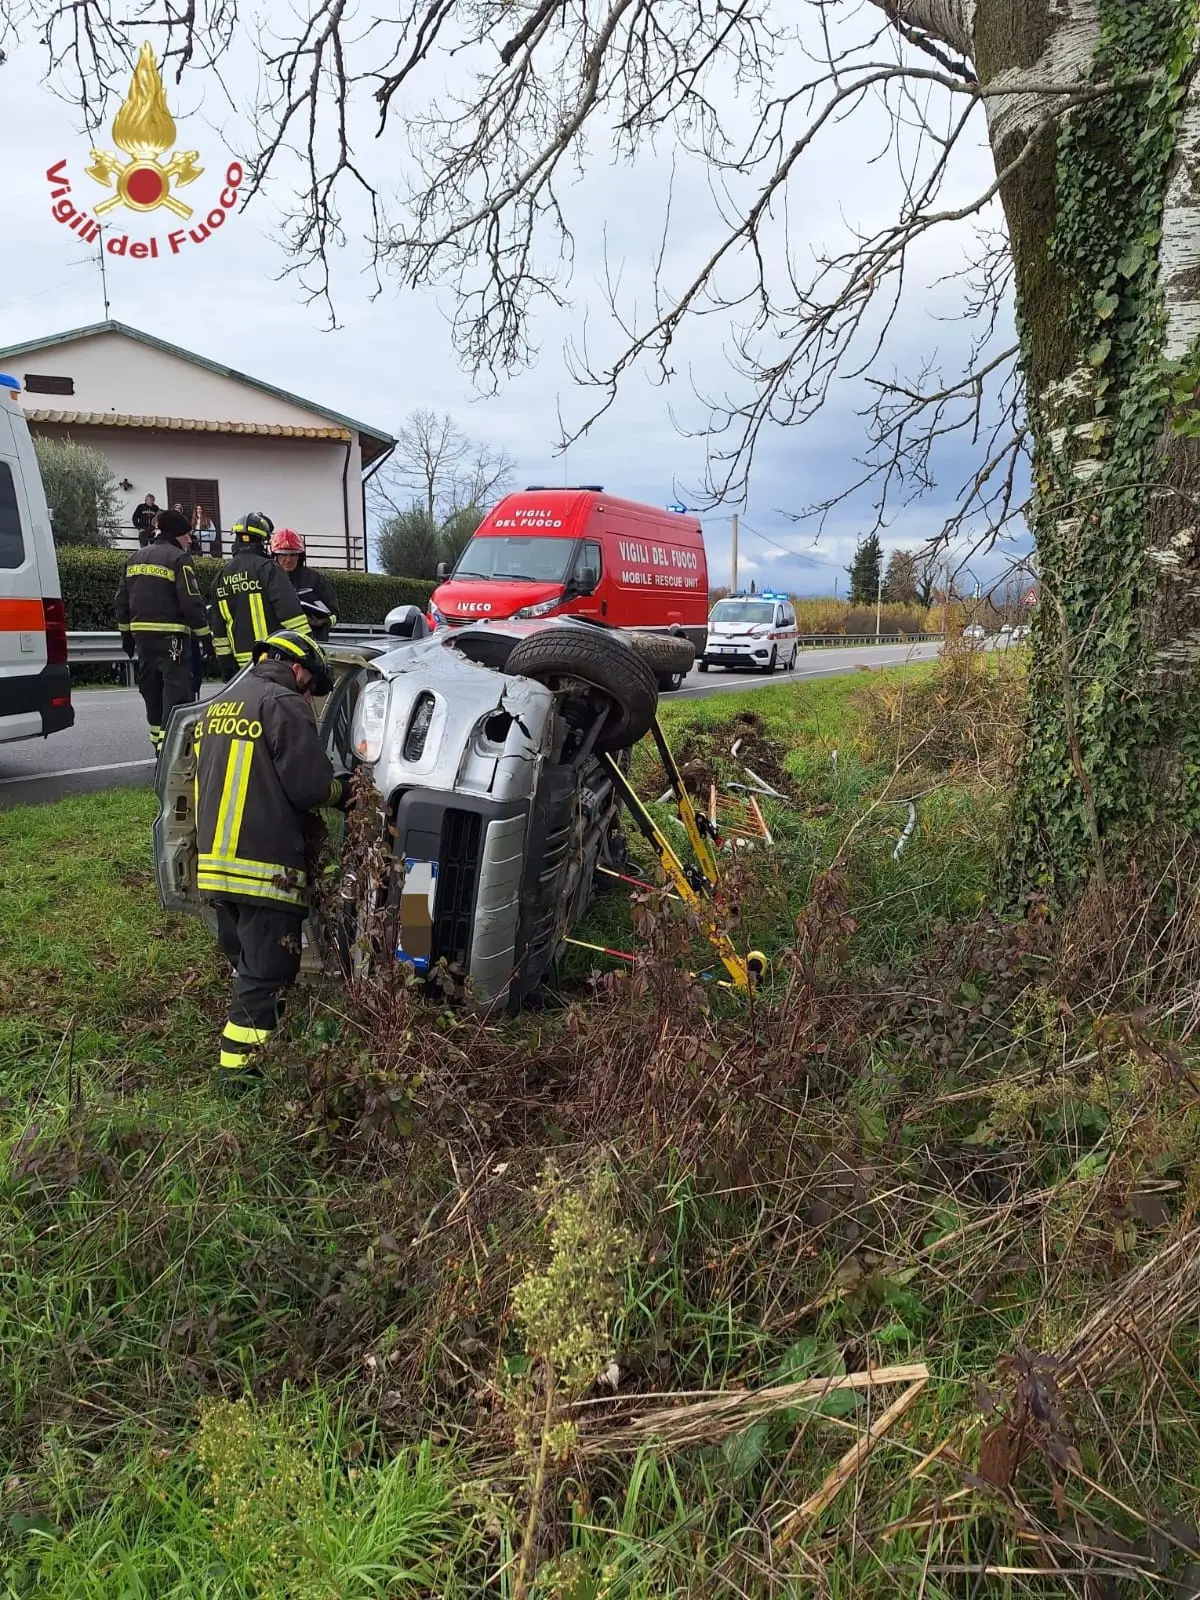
233, 798
222, 870
260, 879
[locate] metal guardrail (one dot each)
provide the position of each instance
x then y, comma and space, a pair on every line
848, 641
103, 649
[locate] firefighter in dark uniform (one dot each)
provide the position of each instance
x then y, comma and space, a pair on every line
252, 598
315, 592
260, 769
159, 611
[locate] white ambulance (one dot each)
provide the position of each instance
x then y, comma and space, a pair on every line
35, 682
752, 630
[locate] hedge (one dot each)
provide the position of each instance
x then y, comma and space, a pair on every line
90, 578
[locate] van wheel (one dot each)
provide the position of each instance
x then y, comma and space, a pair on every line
604, 661
702, 665
669, 656
792, 659
769, 669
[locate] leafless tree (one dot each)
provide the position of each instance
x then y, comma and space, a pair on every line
436, 465
518, 97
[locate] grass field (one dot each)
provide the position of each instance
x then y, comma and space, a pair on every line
416, 1320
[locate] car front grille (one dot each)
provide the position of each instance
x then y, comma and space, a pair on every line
458, 874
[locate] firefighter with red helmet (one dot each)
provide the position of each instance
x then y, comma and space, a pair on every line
317, 595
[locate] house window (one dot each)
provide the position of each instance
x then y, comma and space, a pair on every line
47, 383
192, 492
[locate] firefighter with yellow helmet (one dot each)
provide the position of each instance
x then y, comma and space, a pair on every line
253, 597
261, 769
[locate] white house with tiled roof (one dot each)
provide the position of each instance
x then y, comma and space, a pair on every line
191, 431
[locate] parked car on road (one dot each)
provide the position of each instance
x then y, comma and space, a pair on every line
586, 554
484, 746
752, 630
35, 681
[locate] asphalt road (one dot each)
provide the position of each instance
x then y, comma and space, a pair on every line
108, 748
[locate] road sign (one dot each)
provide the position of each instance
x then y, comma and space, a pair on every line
1030, 597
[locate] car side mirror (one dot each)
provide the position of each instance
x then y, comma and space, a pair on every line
441, 572
585, 581
406, 622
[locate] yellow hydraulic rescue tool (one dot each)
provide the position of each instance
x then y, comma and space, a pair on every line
696, 886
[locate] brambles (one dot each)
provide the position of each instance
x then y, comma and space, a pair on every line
391, 1286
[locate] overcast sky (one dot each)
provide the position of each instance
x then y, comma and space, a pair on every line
225, 301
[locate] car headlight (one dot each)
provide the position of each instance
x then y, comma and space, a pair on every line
542, 609
370, 721
438, 619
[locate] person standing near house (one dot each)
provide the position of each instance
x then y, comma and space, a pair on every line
316, 593
159, 613
143, 519
203, 529
261, 771
252, 598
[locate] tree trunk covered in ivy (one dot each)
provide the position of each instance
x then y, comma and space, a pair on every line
1104, 219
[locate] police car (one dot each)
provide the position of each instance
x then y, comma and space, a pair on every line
752, 630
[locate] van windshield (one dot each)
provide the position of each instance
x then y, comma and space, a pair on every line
516, 556
747, 612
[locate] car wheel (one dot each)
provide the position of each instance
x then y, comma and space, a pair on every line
605, 661
669, 656
702, 665
773, 662
792, 660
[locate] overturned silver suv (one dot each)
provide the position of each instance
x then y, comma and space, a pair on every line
484, 746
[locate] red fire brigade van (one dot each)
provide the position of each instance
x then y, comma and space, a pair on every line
581, 553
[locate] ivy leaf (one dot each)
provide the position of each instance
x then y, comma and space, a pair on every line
1099, 352
1132, 260
1105, 305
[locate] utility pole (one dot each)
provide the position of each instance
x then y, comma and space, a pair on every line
733, 571
878, 597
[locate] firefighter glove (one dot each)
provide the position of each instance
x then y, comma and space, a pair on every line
128, 645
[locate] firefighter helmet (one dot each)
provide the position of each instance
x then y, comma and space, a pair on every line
254, 525
287, 542
298, 649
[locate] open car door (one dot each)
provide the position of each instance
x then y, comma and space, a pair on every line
175, 853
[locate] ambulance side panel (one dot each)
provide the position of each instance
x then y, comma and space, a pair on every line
35, 684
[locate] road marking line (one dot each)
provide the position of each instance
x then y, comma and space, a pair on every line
77, 772
782, 678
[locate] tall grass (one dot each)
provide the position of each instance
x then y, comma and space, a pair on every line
339, 1340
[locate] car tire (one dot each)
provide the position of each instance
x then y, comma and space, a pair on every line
669, 657
792, 659
769, 669
702, 665
602, 659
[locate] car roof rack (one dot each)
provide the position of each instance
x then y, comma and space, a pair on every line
592, 488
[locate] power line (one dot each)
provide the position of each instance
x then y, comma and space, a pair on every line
797, 555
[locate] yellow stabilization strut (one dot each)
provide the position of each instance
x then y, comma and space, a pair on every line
694, 886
